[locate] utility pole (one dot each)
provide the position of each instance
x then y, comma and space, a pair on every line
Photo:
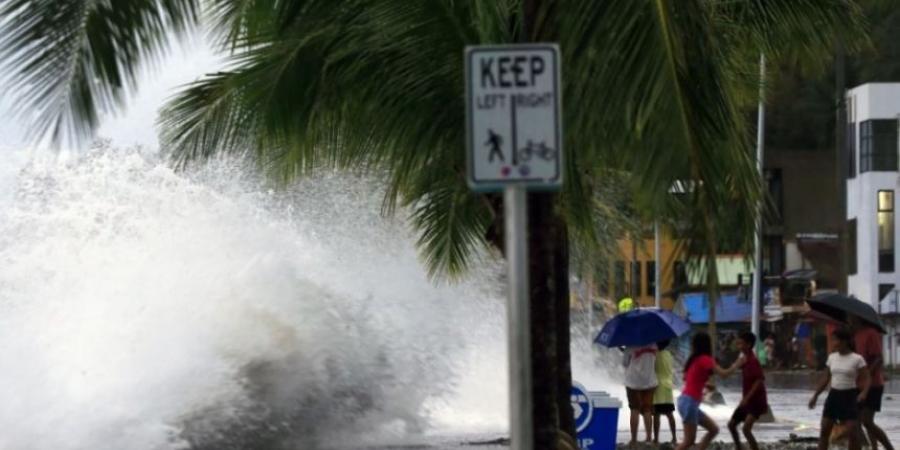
657, 297
841, 163
521, 400
758, 231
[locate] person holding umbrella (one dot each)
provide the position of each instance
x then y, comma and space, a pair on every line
867, 342
640, 383
638, 331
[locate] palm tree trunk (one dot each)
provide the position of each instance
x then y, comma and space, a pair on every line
549, 289
563, 329
548, 255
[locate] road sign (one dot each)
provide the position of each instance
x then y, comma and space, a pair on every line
514, 143
513, 116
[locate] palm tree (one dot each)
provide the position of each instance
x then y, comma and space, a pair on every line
653, 87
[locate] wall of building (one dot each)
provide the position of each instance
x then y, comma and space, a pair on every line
862, 205
642, 253
867, 102
808, 180
804, 188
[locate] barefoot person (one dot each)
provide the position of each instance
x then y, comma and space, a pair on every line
640, 383
843, 370
698, 369
867, 342
663, 402
753, 402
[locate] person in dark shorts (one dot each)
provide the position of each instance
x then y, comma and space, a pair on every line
640, 383
698, 369
867, 342
753, 402
844, 368
663, 401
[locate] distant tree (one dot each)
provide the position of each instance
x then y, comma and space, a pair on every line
802, 103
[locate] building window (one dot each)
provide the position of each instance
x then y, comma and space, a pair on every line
851, 150
619, 279
651, 278
885, 231
776, 193
604, 287
884, 290
636, 279
774, 255
878, 146
851, 247
680, 274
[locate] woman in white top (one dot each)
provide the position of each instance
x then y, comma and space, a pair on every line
640, 382
844, 370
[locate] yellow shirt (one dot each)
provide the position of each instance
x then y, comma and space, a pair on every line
664, 376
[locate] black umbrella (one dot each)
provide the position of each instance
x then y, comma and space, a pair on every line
838, 306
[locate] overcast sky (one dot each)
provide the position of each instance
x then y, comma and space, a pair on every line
135, 124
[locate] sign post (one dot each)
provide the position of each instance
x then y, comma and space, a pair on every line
514, 143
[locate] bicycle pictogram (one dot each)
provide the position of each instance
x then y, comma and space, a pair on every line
540, 150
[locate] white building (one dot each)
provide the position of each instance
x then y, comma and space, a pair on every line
873, 185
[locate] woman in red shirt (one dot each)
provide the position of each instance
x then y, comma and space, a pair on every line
699, 367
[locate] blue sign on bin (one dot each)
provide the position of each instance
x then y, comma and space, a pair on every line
596, 418
581, 404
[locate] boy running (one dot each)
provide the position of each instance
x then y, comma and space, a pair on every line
753, 402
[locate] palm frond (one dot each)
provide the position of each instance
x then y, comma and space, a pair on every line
71, 61
373, 87
796, 29
451, 220
650, 88
239, 22
667, 109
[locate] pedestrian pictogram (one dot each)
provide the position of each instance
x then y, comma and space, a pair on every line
494, 142
513, 116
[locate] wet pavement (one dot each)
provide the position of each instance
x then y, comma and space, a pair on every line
789, 393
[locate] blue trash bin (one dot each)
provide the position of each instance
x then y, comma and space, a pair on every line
596, 418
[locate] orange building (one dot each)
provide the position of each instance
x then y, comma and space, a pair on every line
633, 275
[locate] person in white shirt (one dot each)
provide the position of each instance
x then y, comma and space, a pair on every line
844, 369
640, 383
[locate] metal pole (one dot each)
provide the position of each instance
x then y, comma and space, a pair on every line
656, 292
518, 332
893, 336
757, 239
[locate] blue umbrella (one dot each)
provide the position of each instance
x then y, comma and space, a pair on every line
641, 327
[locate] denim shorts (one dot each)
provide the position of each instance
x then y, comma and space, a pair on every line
689, 409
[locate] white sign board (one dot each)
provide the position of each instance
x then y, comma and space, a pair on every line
513, 116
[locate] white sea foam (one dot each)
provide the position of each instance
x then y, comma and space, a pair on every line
142, 308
